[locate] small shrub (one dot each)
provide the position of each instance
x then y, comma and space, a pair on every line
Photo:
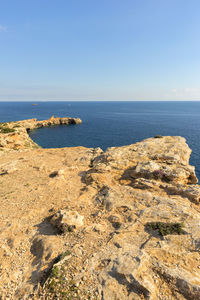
158, 136
166, 228
55, 272
62, 256
6, 129
66, 253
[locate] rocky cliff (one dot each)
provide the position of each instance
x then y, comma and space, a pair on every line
14, 135
80, 223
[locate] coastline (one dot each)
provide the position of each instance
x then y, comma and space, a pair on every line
14, 135
75, 220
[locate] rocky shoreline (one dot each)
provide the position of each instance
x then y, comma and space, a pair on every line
14, 135
80, 223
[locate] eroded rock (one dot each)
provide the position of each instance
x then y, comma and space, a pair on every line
104, 201
14, 135
65, 220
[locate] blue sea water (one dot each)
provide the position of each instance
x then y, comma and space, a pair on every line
107, 124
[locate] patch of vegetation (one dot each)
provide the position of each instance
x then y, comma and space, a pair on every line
59, 286
15, 148
4, 129
55, 272
62, 256
166, 228
27, 145
158, 136
66, 253
36, 146
60, 283
16, 126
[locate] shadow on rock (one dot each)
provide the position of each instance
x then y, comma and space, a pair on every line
46, 228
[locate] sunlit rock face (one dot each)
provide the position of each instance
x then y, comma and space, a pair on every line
119, 224
14, 135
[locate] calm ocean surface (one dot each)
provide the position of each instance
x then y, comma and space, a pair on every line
107, 124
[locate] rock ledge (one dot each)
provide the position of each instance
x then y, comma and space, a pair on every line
14, 135
79, 223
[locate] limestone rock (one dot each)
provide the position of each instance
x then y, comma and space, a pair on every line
8, 168
120, 278
65, 220
109, 198
16, 134
192, 191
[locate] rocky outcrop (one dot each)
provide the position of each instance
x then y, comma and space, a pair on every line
66, 221
14, 135
34, 123
86, 224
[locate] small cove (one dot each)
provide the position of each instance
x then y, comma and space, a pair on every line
110, 124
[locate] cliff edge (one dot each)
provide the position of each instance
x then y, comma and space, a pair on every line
14, 135
80, 223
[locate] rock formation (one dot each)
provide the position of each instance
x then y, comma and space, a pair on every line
80, 223
14, 135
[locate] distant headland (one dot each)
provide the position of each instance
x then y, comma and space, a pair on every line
14, 135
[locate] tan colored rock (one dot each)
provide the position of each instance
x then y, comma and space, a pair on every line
165, 159
19, 138
8, 168
110, 197
191, 191
65, 220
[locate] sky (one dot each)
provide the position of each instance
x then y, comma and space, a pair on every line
99, 50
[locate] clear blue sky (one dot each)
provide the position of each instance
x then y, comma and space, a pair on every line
99, 50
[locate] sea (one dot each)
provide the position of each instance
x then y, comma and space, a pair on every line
110, 124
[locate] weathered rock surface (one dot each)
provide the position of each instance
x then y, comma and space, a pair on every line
66, 221
108, 198
14, 135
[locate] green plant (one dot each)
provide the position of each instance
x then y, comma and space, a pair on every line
55, 272
66, 253
166, 228
58, 286
6, 129
61, 284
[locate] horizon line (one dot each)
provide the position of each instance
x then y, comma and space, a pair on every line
192, 100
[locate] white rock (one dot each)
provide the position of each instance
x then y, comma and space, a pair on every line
65, 220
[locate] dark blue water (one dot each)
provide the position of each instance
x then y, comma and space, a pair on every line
107, 124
